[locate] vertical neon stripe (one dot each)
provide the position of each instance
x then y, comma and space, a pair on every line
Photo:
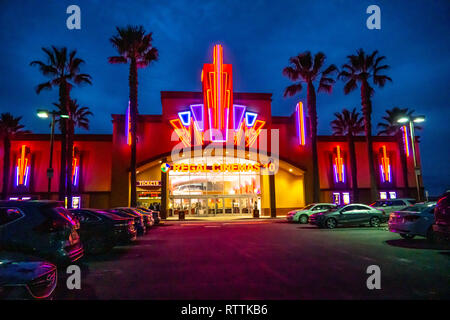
405, 140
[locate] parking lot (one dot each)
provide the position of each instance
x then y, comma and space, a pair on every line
263, 259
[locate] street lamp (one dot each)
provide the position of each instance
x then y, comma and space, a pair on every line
44, 114
411, 121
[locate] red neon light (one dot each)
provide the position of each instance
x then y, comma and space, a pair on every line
75, 166
217, 94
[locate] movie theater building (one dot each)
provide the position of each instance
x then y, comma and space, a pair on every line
214, 152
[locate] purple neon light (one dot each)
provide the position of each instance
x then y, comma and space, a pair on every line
185, 118
248, 119
238, 116
27, 171
17, 176
197, 114
75, 178
127, 123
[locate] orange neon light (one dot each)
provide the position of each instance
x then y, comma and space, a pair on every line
301, 123
254, 132
183, 133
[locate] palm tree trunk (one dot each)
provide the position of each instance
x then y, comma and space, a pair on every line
133, 83
6, 166
351, 147
367, 113
312, 114
404, 161
70, 133
63, 162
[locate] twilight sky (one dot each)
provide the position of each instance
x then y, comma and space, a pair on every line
258, 38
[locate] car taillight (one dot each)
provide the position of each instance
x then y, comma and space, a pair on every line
52, 225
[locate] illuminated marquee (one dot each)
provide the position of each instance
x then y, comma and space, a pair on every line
385, 166
217, 115
23, 167
149, 183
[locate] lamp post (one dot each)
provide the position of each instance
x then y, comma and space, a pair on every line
411, 121
44, 114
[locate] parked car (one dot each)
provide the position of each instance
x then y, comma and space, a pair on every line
302, 215
100, 231
156, 215
41, 228
442, 217
138, 218
392, 205
415, 220
148, 217
25, 277
351, 214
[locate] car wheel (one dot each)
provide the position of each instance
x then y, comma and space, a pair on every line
303, 219
374, 222
330, 223
407, 236
430, 235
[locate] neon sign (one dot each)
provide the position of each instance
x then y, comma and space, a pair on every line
75, 166
405, 140
217, 95
214, 114
385, 166
339, 166
149, 183
23, 167
300, 118
128, 124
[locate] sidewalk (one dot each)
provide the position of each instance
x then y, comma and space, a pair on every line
222, 218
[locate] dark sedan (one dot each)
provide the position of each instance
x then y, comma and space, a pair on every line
24, 277
100, 231
351, 214
156, 215
41, 228
138, 218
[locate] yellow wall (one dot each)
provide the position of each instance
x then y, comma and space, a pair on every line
289, 190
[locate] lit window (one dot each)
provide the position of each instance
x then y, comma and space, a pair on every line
383, 195
336, 198
392, 195
346, 197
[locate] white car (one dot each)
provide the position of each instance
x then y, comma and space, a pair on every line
416, 220
302, 215
391, 205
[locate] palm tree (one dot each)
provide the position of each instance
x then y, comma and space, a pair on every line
9, 128
78, 118
63, 69
361, 69
390, 127
134, 47
303, 69
349, 123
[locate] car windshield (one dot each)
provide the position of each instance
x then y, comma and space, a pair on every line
309, 206
378, 203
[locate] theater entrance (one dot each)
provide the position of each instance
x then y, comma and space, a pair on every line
214, 205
